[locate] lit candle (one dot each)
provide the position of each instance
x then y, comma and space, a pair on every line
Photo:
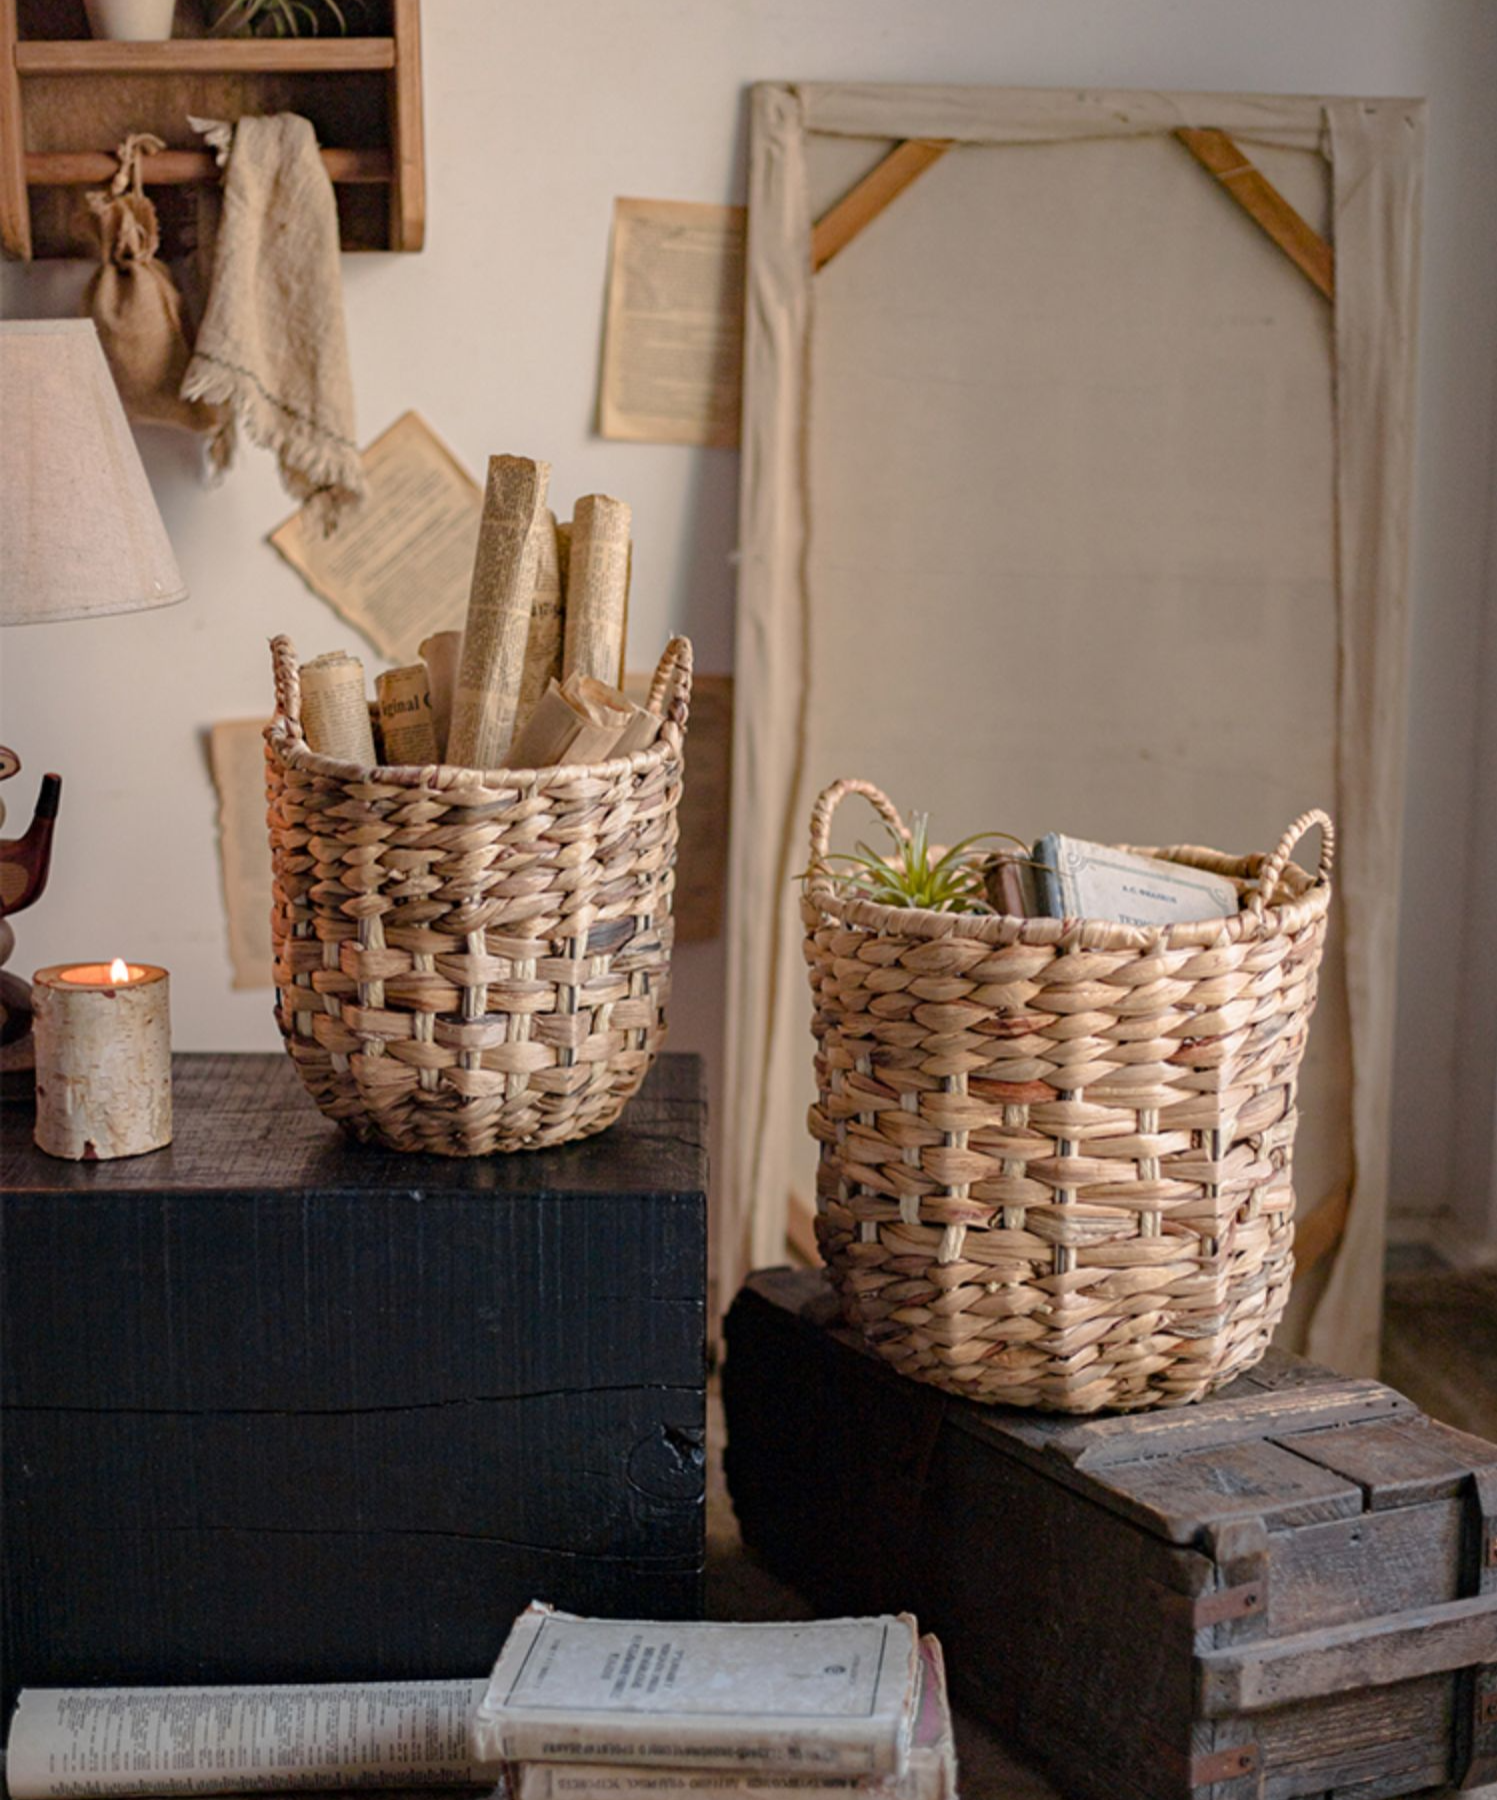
103, 1060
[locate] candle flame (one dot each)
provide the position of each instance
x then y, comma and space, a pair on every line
119, 969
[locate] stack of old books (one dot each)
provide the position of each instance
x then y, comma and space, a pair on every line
578, 1708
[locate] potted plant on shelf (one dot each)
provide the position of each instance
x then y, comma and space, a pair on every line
277, 18
131, 21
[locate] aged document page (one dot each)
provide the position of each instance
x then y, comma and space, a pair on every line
236, 752
209, 1740
673, 341
400, 568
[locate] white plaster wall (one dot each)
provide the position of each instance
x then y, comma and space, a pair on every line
536, 117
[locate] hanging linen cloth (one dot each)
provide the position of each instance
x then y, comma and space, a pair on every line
272, 348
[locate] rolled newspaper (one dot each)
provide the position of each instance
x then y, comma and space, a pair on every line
440, 653
335, 708
543, 644
275, 1739
498, 623
597, 589
564, 555
405, 715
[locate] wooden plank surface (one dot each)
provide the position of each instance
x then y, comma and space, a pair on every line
174, 168
1340, 1659
15, 207
260, 56
1400, 1462
361, 1406
857, 210
1221, 157
407, 131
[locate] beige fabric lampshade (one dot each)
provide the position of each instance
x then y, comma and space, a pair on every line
79, 530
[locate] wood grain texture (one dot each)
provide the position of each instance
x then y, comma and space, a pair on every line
1221, 157
407, 131
1067, 1613
258, 56
175, 168
857, 209
362, 1405
15, 207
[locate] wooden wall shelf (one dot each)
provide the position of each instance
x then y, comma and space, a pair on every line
66, 102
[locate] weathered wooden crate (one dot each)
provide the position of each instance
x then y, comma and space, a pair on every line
1287, 1590
278, 1406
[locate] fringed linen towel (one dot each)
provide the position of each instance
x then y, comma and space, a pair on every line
272, 348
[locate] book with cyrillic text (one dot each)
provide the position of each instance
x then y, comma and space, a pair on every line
827, 1696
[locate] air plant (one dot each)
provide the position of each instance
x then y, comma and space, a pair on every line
275, 18
919, 873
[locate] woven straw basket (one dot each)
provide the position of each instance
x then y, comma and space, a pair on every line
470, 961
1055, 1153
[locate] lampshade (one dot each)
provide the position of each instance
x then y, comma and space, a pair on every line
79, 529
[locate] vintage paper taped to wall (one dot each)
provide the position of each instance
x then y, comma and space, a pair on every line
236, 754
702, 858
400, 568
673, 341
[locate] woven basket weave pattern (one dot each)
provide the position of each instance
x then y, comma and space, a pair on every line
1056, 1154
473, 961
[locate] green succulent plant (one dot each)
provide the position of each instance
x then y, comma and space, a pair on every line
918, 873
275, 18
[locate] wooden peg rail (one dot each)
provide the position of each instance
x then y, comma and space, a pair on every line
66, 102
173, 168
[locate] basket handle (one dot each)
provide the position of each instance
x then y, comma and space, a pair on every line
670, 687
287, 682
1268, 875
832, 797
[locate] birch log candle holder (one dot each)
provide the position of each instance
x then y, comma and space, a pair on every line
103, 1060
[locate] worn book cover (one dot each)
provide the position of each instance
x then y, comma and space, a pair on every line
1081, 880
830, 1696
929, 1775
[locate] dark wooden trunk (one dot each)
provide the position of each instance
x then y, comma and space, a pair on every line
1287, 1590
280, 1406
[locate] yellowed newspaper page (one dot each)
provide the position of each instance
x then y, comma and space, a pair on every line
236, 753
72, 1742
400, 568
673, 341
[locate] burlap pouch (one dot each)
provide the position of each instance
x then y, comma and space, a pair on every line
134, 302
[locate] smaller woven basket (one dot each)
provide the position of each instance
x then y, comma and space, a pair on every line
470, 961
1056, 1154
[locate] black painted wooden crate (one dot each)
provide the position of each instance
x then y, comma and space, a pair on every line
1287, 1590
281, 1406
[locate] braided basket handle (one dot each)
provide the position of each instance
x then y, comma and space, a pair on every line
832, 797
670, 688
287, 683
1268, 876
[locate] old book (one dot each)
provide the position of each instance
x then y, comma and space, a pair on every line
1081, 880
1009, 883
929, 1775
213, 1740
833, 1696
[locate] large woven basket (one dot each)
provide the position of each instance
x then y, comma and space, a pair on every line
1056, 1153
473, 961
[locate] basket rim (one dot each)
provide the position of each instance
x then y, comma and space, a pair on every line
1308, 900
293, 750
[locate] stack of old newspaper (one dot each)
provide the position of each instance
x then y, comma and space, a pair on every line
583, 1708
533, 678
